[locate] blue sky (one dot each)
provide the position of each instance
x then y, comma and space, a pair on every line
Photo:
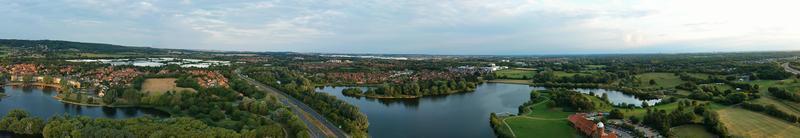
484, 27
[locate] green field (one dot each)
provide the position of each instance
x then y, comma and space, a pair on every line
530, 128
788, 84
691, 131
663, 80
783, 105
745, 123
515, 74
542, 122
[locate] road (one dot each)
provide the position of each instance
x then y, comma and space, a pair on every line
318, 125
790, 69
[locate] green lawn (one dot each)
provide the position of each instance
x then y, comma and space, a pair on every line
542, 122
745, 123
691, 131
515, 74
531, 128
663, 80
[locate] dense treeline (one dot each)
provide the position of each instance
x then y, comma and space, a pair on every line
783, 94
20, 122
71, 126
712, 123
549, 76
766, 72
572, 100
294, 84
497, 124
772, 111
415, 89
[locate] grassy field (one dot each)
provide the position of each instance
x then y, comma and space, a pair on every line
515, 74
745, 123
530, 128
788, 84
691, 131
663, 80
542, 122
162, 85
783, 105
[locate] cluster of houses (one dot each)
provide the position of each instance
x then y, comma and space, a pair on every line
209, 78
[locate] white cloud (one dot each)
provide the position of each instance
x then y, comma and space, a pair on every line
419, 26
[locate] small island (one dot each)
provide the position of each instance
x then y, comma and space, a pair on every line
412, 90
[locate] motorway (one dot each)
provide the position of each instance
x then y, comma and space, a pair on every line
790, 69
318, 125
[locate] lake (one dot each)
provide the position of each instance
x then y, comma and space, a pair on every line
39, 101
455, 115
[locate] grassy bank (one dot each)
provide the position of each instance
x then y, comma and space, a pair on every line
541, 121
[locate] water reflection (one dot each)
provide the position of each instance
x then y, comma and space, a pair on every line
455, 115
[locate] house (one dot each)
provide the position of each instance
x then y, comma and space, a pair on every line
589, 128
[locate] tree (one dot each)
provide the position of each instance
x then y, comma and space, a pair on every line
616, 114
653, 82
535, 94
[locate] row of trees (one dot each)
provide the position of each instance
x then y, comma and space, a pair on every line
296, 85
772, 111
423, 88
549, 76
783, 94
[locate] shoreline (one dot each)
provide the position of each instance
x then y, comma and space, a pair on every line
34, 84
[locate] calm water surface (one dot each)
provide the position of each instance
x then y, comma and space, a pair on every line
463, 115
39, 101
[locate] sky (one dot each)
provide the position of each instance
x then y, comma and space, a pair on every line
453, 27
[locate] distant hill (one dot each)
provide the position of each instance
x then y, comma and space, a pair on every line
57, 45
